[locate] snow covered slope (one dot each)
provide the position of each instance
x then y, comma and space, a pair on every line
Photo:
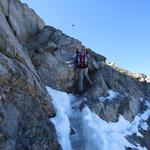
90, 131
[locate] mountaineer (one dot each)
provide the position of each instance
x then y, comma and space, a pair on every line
81, 64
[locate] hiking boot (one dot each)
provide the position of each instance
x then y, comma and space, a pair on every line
90, 83
80, 92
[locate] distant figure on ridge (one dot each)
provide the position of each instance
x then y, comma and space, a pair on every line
81, 64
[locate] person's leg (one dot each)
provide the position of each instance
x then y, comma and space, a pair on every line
87, 76
76, 74
80, 80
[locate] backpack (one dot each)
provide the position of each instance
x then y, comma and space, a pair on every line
82, 60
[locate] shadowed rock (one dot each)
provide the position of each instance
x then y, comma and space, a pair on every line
24, 103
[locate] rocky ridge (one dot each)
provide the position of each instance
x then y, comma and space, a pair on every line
50, 49
32, 56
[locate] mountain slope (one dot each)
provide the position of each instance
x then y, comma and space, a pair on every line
33, 56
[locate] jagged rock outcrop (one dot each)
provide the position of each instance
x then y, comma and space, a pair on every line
49, 51
127, 102
24, 103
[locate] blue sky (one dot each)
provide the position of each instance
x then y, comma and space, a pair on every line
117, 29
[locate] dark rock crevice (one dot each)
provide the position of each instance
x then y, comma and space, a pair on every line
10, 25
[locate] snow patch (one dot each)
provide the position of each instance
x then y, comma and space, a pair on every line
148, 104
141, 99
103, 135
97, 133
111, 96
144, 126
61, 101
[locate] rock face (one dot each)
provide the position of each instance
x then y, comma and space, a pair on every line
129, 93
50, 50
32, 56
24, 103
